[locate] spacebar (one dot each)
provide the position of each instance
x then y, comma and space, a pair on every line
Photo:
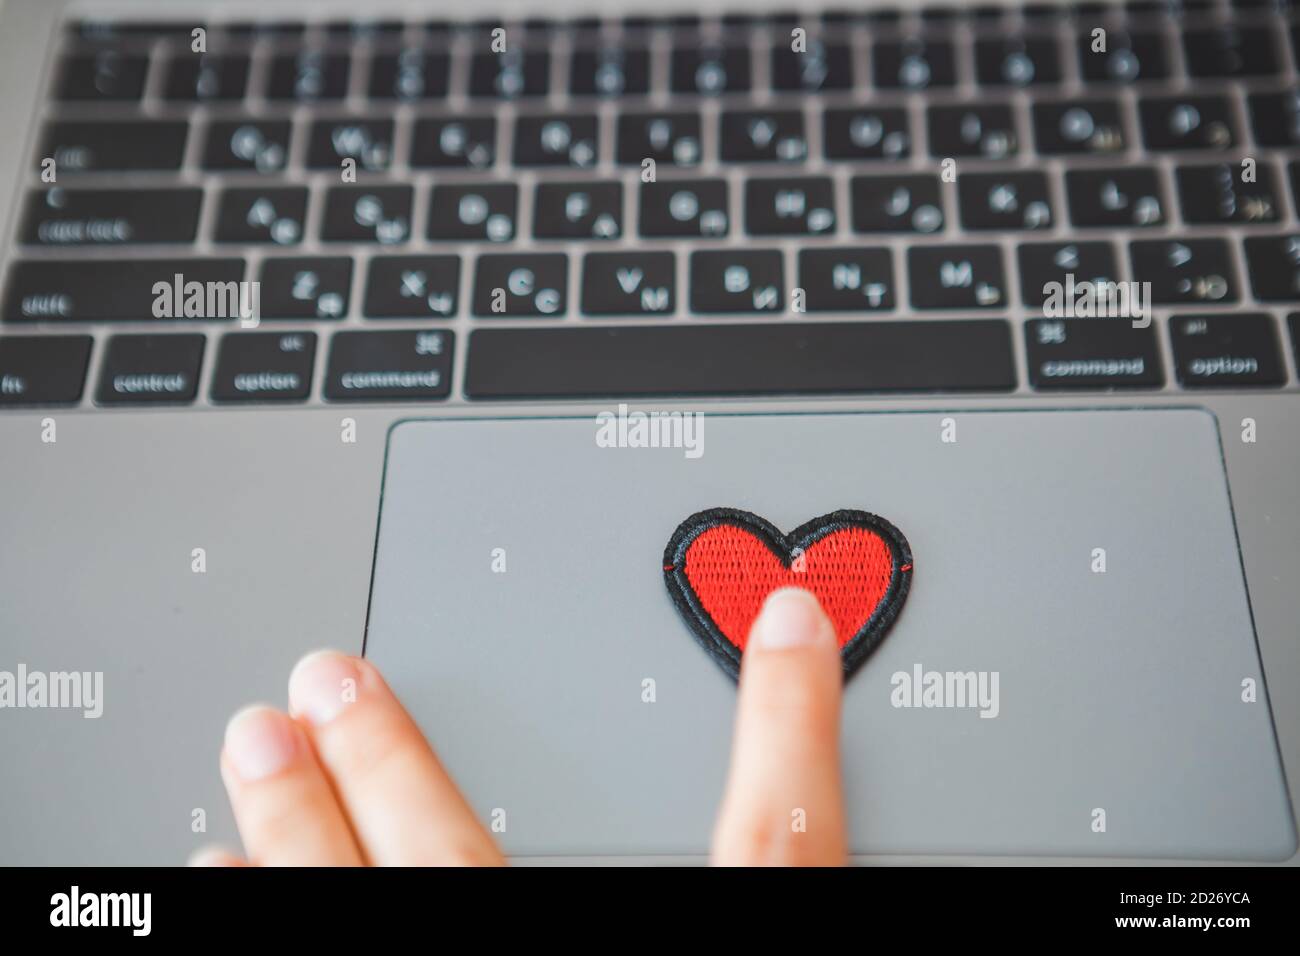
769, 359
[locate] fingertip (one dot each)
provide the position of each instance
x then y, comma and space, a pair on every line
322, 685
791, 618
260, 741
214, 856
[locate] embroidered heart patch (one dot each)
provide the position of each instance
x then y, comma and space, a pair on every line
721, 564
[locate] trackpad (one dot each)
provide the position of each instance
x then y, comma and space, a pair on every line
1073, 670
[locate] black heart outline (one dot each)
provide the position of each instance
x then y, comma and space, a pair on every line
711, 638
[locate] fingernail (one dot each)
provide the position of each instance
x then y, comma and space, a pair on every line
322, 685
260, 742
791, 617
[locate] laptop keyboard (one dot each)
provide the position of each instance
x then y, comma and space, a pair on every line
401, 211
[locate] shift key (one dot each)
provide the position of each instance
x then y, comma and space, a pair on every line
387, 366
50, 290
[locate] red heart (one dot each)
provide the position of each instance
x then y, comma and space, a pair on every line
721, 564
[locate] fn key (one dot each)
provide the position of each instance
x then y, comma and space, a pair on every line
389, 366
42, 370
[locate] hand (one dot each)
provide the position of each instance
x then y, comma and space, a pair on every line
346, 778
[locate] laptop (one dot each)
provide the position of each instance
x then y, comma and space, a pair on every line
421, 336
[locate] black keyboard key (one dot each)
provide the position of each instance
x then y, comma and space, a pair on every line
847, 279
1226, 351
91, 290
956, 277
763, 136
1107, 198
150, 370
206, 78
866, 133
58, 216
819, 66
1293, 320
379, 214
510, 75
1010, 200
309, 76
510, 285
464, 142
1187, 122
43, 369
254, 145
710, 70
368, 143
478, 211
737, 280
274, 215
983, 130
264, 367
106, 76
1185, 271
481, 29
628, 283
105, 31
1078, 126
1230, 51
85, 146
367, 29
775, 358
557, 139
589, 210
409, 75
672, 138
1091, 353
1274, 265
1218, 195
585, 27
609, 71
684, 208
412, 287
305, 288
913, 64
1293, 173
790, 206
1275, 118
1017, 61
1122, 58
1047, 264
382, 366
275, 31
896, 204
